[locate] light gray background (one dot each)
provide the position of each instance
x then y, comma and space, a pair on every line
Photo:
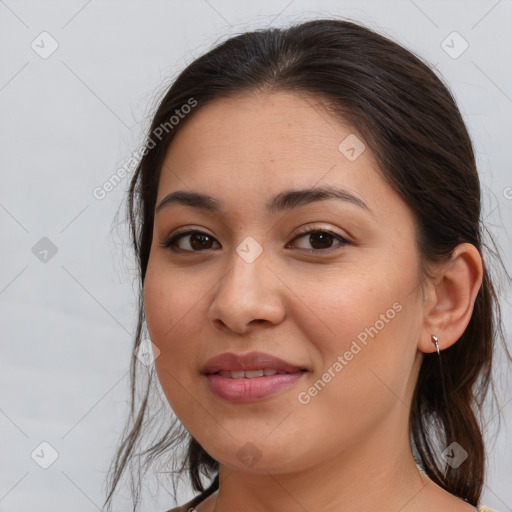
70, 120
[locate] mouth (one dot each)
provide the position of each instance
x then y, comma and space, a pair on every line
243, 388
248, 365
253, 374
249, 377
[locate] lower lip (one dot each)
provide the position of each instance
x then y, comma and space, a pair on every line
251, 390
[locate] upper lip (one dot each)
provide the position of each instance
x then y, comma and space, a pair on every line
229, 361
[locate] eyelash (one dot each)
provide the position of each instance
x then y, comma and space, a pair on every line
170, 243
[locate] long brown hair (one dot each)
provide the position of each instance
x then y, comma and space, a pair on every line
411, 123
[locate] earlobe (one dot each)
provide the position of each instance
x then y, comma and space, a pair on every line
451, 299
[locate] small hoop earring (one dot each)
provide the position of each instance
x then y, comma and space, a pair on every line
435, 339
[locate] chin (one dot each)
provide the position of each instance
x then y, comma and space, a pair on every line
258, 459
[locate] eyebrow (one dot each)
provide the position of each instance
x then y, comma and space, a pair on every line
287, 200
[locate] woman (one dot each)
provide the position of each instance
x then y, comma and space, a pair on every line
306, 219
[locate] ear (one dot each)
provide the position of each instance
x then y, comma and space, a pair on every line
449, 300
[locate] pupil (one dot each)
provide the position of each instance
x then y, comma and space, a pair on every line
324, 238
199, 241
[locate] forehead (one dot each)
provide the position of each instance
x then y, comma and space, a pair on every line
278, 124
253, 146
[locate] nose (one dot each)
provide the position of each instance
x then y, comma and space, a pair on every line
247, 295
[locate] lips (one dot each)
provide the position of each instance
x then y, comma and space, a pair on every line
251, 361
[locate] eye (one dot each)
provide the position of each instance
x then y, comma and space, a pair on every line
320, 239
195, 241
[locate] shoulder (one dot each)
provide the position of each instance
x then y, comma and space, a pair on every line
189, 507
184, 508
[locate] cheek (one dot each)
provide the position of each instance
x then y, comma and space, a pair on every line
363, 327
343, 307
172, 309
171, 300
363, 369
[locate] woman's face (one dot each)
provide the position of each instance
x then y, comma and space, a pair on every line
343, 302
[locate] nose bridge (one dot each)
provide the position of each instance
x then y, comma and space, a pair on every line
248, 290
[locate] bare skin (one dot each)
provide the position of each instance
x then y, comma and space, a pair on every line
348, 447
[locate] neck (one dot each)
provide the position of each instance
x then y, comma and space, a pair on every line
378, 472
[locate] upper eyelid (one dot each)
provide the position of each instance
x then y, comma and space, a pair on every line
344, 239
193, 231
308, 230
